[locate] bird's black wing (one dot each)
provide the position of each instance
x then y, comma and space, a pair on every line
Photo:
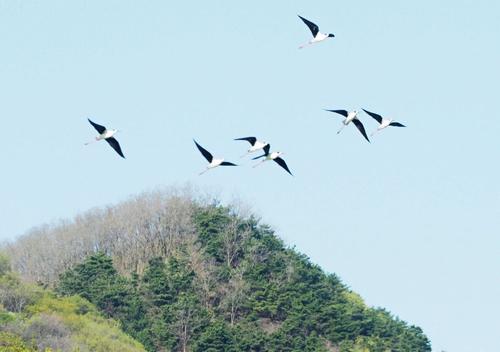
267, 147
313, 27
250, 140
258, 157
205, 152
361, 128
115, 145
266, 152
396, 124
99, 128
375, 116
341, 112
227, 163
282, 163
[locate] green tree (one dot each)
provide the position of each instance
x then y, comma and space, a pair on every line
4, 264
217, 337
257, 294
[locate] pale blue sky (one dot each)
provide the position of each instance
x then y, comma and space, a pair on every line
410, 221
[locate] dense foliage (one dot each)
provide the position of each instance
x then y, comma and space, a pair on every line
34, 319
231, 285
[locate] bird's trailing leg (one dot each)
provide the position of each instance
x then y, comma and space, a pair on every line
341, 128
94, 140
259, 163
304, 45
377, 130
201, 173
244, 155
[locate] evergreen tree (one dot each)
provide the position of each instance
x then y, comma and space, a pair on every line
265, 297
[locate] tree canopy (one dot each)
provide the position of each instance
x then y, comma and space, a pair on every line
184, 275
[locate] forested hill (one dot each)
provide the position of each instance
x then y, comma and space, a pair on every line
185, 275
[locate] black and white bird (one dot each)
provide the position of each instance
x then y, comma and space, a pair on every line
254, 144
351, 116
317, 35
107, 135
383, 122
213, 163
275, 156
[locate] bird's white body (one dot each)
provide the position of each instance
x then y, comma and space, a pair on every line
274, 155
350, 116
270, 156
319, 38
103, 136
257, 146
106, 134
212, 162
215, 163
385, 123
317, 35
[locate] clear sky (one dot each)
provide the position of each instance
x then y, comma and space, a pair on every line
410, 221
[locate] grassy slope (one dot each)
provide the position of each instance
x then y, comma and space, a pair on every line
48, 323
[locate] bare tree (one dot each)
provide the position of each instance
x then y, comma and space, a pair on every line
233, 238
204, 269
234, 294
187, 320
145, 226
13, 295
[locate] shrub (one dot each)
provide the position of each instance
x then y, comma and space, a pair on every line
47, 331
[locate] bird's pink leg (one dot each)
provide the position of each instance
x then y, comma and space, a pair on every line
341, 128
377, 130
92, 141
201, 173
304, 45
259, 163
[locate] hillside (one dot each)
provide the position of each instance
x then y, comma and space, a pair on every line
181, 274
34, 319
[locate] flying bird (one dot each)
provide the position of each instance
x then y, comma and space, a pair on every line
254, 144
351, 116
317, 35
275, 156
107, 135
383, 122
213, 163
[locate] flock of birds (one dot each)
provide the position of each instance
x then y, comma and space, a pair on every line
255, 144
